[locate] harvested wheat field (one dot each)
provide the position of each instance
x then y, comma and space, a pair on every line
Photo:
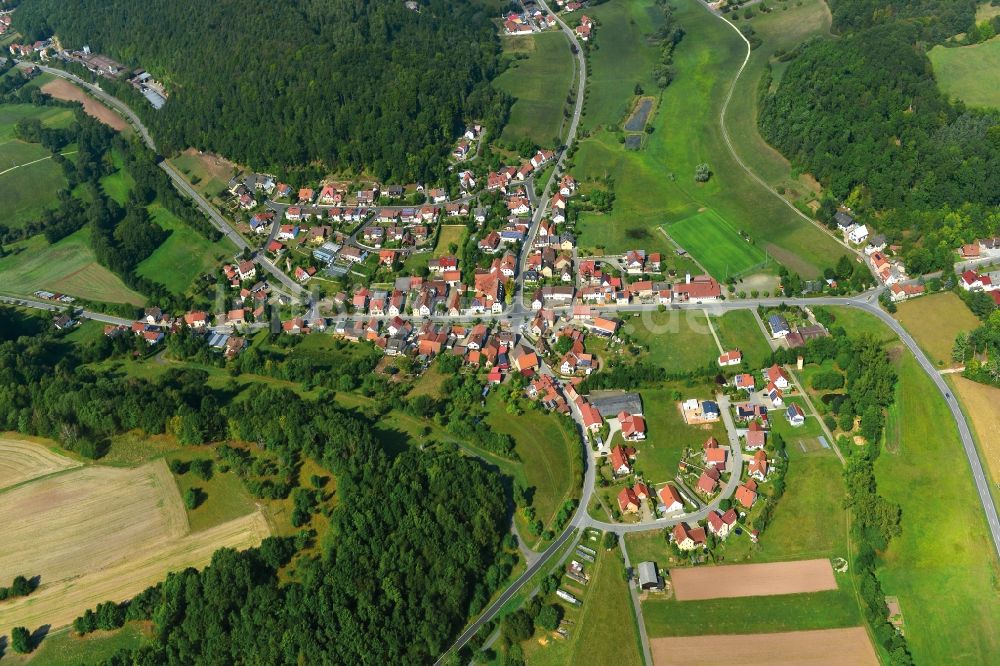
64, 90
825, 647
752, 580
99, 533
21, 461
982, 405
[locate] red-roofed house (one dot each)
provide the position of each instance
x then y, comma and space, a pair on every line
758, 466
776, 375
687, 538
627, 501
721, 524
196, 319
619, 461
744, 382
734, 357
756, 436
591, 416
671, 499
706, 483
633, 427
746, 495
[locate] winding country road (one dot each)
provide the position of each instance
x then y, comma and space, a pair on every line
214, 216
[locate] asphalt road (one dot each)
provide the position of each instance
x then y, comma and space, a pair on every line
216, 218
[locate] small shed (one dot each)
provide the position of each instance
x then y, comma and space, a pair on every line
649, 578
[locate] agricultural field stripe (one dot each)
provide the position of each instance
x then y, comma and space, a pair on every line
752, 580
823, 647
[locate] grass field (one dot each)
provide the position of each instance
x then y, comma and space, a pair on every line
676, 340
550, 455
784, 28
450, 233
606, 611
738, 329
656, 186
716, 245
211, 172
539, 84
226, 496
943, 567
184, 256
620, 59
68, 266
666, 433
747, 615
29, 182
969, 73
934, 321
64, 648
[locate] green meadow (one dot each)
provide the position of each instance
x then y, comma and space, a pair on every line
969, 73
539, 77
656, 186
717, 245
184, 256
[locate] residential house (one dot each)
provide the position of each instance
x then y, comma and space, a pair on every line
621, 460
744, 382
858, 234
777, 376
758, 466
756, 436
734, 357
708, 482
633, 426
901, 292
796, 417
746, 494
627, 501
196, 320
779, 326
700, 289
721, 524
670, 499
687, 538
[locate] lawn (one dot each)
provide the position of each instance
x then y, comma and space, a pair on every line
718, 246
969, 73
748, 615
68, 266
606, 611
943, 567
539, 79
667, 436
656, 186
184, 256
738, 329
118, 184
934, 321
620, 59
679, 341
208, 174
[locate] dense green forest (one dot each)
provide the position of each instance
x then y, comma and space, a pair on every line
863, 114
416, 535
350, 83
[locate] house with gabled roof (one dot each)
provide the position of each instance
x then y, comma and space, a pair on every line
758, 466
746, 494
688, 538
734, 357
756, 436
670, 499
621, 459
721, 524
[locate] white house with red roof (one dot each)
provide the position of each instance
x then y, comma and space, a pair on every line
633, 426
621, 460
734, 357
670, 499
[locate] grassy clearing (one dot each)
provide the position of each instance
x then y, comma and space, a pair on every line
656, 186
539, 79
69, 267
747, 615
738, 329
934, 321
208, 174
67, 649
717, 245
184, 256
969, 73
942, 567
606, 604
226, 496
679, 341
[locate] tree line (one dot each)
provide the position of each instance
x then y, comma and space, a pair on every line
865, 116
366, 86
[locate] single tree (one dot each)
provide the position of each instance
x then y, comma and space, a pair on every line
20, 640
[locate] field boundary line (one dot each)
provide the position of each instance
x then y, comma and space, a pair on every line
40, 159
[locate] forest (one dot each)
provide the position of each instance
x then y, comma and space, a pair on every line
418, 535
864, 115
366, 86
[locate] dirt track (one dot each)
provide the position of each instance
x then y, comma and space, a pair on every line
21, 461
752, 580
825, 647
64, 90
